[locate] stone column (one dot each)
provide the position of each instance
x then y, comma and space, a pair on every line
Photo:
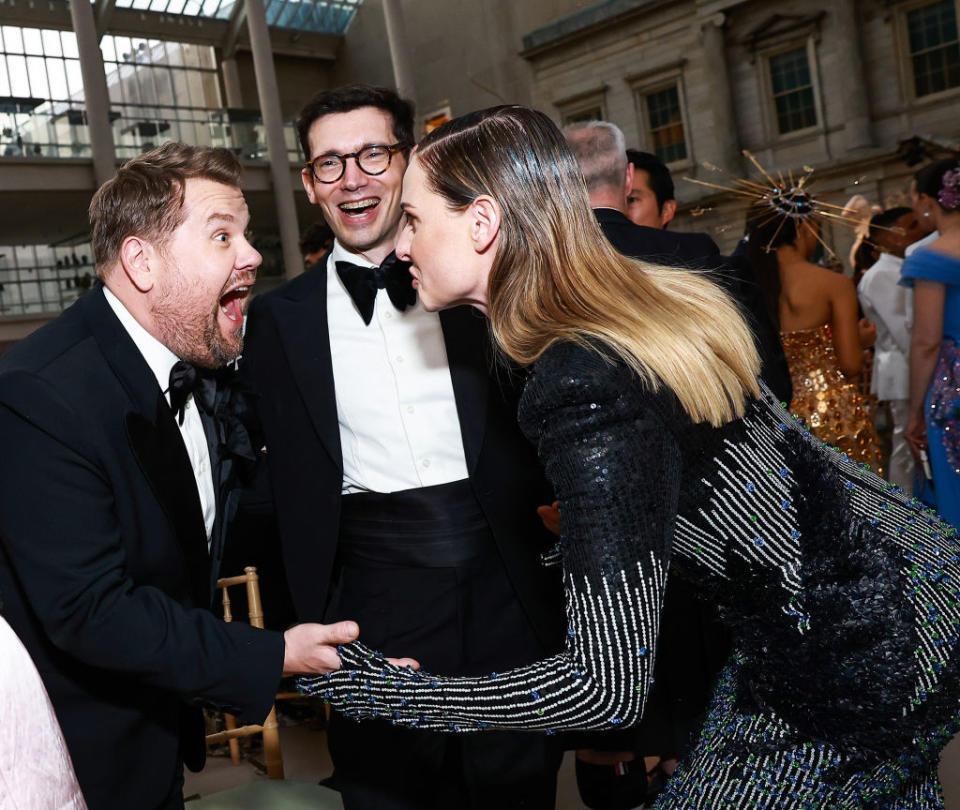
725, 151
853, 82
269, 96
399, 52
231, 82
95, 94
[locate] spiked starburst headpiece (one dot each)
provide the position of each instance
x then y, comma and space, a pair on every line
788, 198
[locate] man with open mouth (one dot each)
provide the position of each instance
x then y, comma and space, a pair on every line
117, 481
406, 495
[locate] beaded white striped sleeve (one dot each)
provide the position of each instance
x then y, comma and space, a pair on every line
616, 470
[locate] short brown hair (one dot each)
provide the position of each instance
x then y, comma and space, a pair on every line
354, 97
145, 197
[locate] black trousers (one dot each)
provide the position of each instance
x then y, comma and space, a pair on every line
461, 619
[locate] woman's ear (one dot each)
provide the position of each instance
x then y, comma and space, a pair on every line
136, 255
484, 222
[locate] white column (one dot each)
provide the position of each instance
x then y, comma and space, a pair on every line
725, 151
231, 82
399, 52
846, 36
269, 97
97, 99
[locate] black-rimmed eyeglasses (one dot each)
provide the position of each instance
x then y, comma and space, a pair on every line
372, 160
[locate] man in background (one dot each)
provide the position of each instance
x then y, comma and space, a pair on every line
889, 306
316, 242
651, 200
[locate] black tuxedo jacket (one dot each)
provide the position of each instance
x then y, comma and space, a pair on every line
104, 570
699, 251
287, 362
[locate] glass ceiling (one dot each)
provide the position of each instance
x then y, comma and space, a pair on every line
320, 16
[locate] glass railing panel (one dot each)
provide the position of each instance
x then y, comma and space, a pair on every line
38, 129
43, 278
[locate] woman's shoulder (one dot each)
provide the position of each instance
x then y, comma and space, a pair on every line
931, 265
579, 367
589, 378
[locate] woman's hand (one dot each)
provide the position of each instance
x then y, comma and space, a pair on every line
916, 434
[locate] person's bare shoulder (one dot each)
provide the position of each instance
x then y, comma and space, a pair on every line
948, 243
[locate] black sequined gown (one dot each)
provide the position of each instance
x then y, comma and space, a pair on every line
840, 593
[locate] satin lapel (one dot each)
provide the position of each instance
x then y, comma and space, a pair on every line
468, 354
304, 331
154, 439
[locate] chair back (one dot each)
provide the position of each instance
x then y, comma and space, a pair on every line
273, 760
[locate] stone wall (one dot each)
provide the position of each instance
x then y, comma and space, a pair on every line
569, 56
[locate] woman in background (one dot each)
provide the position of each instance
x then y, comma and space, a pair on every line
670, 459
934, 273
823, 337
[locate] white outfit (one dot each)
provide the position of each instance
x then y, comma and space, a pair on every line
36, 772
933, 236
161, 360
890, 306
399, 427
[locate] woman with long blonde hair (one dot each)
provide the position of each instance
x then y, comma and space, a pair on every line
669, 458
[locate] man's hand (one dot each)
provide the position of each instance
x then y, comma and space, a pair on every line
867, 331
313, 647
550, 515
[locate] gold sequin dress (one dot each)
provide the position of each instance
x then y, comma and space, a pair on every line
831, 405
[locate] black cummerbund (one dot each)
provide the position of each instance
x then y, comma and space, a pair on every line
441, 526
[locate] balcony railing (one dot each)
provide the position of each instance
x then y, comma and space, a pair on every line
34, 288
36, 128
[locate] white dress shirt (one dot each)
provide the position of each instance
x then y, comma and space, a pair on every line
888, 305
161, 360
933, 236
399, 427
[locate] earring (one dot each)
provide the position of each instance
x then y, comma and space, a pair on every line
926, 213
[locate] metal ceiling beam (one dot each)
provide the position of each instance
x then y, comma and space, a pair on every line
55, 14
102, 13
236, 24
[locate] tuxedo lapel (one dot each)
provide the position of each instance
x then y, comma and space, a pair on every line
155, 440
468, 354
305, 334
163, 458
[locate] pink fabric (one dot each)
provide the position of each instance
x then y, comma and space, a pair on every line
35, 768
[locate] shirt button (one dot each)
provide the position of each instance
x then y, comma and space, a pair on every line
399, 358
388, 315
203, 466
410, 409
426, 462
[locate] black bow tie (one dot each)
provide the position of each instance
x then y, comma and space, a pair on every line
363, 282
185, 380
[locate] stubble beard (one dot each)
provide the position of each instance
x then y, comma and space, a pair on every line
191, 333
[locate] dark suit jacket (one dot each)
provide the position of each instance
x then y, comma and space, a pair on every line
699, 251
104, 571
287, 363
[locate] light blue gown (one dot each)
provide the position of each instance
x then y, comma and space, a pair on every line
933, 266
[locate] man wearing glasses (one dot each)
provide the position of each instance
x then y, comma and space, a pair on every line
405, 493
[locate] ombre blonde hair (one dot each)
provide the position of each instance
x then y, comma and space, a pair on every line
556, 277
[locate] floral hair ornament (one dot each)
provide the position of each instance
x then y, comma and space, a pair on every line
949, 195
787, 198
